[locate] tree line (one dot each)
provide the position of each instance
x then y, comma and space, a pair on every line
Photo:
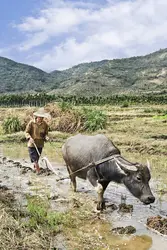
41, 99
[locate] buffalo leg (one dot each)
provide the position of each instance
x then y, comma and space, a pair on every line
100, 187
101, 205
73, 179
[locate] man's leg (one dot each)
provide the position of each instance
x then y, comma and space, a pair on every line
34, 156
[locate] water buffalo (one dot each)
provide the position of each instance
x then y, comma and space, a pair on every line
81, 150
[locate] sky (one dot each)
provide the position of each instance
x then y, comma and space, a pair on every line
58, 34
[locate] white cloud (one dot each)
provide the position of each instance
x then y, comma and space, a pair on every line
51, 23
36, 40
69, 53
78, 31
32, 24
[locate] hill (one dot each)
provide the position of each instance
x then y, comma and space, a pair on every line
130, 75
16, 77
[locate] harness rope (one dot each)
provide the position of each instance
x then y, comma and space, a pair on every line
92, 164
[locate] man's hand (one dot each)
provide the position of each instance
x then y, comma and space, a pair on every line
47, 138
31, 140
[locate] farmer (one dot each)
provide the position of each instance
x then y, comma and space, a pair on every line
37, 133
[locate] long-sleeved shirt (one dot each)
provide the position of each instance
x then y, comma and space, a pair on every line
38, 131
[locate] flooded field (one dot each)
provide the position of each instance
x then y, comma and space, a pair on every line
13, 176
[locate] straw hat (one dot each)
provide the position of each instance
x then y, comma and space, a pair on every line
41, 113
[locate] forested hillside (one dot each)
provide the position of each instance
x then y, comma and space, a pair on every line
129, 75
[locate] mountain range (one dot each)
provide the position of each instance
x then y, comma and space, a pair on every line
135, 75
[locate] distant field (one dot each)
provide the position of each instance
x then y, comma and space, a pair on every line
141, 133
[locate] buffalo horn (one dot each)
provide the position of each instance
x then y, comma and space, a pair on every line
125, 167
148, 164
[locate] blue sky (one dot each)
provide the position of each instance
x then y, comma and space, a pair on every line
58, 34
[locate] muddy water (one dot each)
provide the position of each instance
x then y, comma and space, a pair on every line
139, 215
30, 183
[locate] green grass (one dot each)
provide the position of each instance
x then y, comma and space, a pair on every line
40, 215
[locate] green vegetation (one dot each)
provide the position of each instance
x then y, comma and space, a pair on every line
64, 106
161, 117
40, 215
19, 100
16, 77
94, 120
11, 125
66, 102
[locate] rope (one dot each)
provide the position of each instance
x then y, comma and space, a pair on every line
92, 164
45, 159
36, 149
48, 164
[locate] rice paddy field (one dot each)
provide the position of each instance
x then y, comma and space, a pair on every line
140, 132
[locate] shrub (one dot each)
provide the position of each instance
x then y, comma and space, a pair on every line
11, 125
94, 120
125, 105
64, 106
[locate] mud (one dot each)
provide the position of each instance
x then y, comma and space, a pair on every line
124, 230
158, 223
6, 196
123, 210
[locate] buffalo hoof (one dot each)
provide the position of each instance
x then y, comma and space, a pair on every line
101, 206
73, 187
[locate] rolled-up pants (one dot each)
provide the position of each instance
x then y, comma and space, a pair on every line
34, 156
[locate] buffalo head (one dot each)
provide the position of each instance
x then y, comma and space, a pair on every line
136, 179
